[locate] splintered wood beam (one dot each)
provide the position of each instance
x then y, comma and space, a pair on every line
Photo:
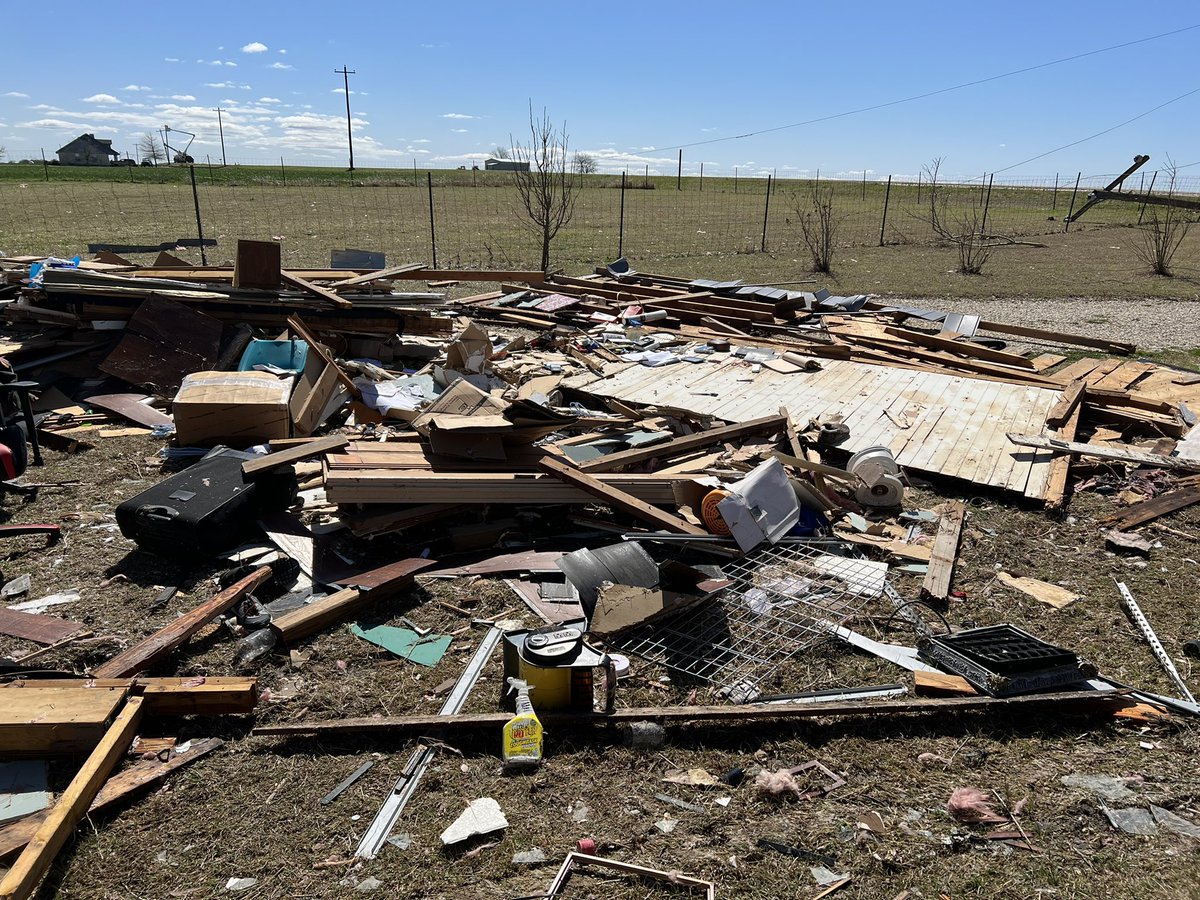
378, 275
51, 836
1060, 466
280, 458
324, 293
686, 444
297, 325
158, 646
211, 695
965, 348
618, 498
1147, 510
316, 616
945, 551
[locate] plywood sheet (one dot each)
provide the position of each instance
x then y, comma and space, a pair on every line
947, 424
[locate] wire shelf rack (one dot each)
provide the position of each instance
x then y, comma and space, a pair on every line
783, 600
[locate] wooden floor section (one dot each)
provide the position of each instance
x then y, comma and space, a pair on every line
944, 424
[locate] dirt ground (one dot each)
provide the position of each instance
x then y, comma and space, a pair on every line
251, 809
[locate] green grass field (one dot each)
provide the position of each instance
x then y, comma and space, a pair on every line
709, 229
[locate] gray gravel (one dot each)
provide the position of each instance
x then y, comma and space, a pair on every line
1151, 324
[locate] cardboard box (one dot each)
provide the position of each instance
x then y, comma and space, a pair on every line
234, 408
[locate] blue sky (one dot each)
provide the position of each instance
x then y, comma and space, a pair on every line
445, 84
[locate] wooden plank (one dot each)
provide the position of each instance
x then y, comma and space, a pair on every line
945, 550
1078, 369
941, 684
118, 788
210, 695
618, 498
686, 444
316, 290
1116, 454
1124, 375
52, 834
158, 646
280, 458
978, 351
1140, 513
412, 486
1060, 337
53, 722
1060, 466
423, 274
1067, 404
378, 275
257, 265
398, 519
34, 627
129, 406
1044, 361
749, 713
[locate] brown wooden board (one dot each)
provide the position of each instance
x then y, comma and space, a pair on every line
159, 645
282, 458
54, 722
680, 445
131, 407
1140, 513
34, 627
324, 293
164, 342
618, 498
257, 265
206, 695
945, 550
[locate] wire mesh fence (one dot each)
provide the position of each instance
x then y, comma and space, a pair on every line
473, 218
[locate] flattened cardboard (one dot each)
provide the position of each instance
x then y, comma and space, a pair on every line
460, 399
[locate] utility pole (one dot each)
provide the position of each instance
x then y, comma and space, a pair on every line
221, 128
346, 73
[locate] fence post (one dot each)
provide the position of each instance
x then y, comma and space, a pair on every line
199, 227
1070, 212
45, 166
131, 168
918, 189
679, 172
283, 171
621, 222
735, 177
887, 195
982, 185
986, 204
766, 212
1054, 200
701, 176
1142, 211
432, 227
864, 196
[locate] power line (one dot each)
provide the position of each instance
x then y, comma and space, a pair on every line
927, 94
1090, 137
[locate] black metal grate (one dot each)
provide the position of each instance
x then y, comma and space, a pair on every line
1006, 650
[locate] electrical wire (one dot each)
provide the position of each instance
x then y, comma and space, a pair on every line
927, 94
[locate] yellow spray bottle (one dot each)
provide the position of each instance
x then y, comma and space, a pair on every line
523, 732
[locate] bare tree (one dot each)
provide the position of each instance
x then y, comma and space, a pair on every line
500, 152
544, 185
150, 147
585, 164
818, 225
963, 230
1159, 238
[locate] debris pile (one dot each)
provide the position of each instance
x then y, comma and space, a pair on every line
705, 479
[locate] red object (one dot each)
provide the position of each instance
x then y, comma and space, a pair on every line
586, 845
8, 466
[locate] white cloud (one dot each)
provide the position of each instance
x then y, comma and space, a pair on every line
342, 91
182, 97
17, 94
279, 65
172, 59
269, 100
45, 107
458, 130
422, 141
281, 51
457, 116
102, 98
226, 84
136, 87
230, 64
255, 47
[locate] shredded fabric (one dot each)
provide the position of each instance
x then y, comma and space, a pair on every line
969, 804
776, 784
